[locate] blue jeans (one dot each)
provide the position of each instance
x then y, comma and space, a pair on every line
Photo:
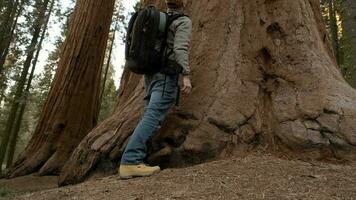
157, 106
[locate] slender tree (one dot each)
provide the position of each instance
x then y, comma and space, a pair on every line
12, 48
71, 109
334, 29
349, 32
7, 27
42, 7
109, 100
1, 4
9, 37
24, 98
108, 61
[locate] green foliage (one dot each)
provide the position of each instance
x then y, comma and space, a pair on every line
109, 92
109, 97
14, 65
43, 81
345, 54
6, 193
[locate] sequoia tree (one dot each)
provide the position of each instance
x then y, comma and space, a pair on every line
71, 109
264, 75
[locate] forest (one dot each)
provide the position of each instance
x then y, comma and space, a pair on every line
270, 77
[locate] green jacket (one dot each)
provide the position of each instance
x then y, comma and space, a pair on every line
178, 41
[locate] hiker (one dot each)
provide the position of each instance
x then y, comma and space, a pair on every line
161, 88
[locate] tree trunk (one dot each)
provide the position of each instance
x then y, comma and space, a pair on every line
349, 31
71, 109
1, 4
23, 77
10, 36
14, 136
24, 98
107, 65
263, 75
6, 30
3, 85
334, 30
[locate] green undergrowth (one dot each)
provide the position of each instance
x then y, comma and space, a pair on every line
6, 193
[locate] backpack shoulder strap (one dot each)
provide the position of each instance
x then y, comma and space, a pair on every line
129, 31
172, 18
132, 22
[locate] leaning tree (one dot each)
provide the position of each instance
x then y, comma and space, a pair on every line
71, 109
264, 75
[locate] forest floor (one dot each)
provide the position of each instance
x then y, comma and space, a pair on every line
251, 177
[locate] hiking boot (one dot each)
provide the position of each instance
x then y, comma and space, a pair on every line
141, 170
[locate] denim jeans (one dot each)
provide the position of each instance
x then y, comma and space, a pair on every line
157, 106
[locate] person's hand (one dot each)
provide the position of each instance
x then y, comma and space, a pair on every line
187, 85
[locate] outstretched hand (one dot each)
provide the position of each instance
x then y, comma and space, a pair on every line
187, 85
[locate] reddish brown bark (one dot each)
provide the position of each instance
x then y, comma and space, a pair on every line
71, 109
264, 75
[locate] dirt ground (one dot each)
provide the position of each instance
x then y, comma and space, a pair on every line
252, 177
25, 184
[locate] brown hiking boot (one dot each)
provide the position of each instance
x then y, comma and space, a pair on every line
141, 170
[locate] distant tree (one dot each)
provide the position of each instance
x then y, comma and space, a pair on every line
40, 12
24, 99
108, 89
330, 11
110, 95
348, 15
334, 29
71, 109
8, 22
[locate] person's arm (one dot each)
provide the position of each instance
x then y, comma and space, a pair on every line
181, 48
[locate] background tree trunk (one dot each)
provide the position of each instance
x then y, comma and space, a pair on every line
7, 27
71, 108
42, 8
264, 75
24, 98
107, 64
6, 49
334, 29
349, 31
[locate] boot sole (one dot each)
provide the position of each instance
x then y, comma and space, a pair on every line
136, 176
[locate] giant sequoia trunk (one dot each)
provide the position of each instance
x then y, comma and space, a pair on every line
263, 74
71, 109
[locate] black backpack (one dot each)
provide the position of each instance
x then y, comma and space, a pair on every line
146, 40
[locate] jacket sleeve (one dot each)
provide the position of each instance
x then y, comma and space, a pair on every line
181, 46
